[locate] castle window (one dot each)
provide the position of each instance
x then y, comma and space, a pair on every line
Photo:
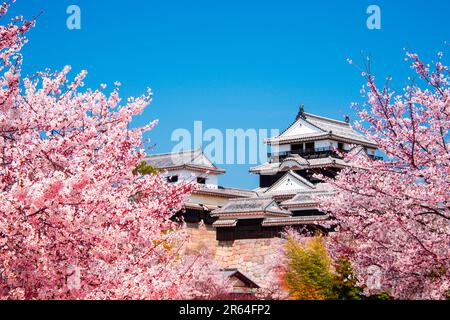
172, 179
201, 180
295, 148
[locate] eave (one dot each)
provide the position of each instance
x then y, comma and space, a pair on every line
194, 168
250, 215
293, 220
319, 137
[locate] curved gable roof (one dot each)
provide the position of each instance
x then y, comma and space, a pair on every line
190, 159
257, 206
290, 183
317, 127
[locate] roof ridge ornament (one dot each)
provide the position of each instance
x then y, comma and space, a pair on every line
347, 118
301, 112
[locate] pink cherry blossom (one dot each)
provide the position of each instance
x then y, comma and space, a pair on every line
395, 214
75, 223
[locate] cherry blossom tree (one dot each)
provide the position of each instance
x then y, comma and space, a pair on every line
75, 222
394, 214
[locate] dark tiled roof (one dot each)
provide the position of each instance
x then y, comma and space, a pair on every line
265, 206
225, 223
198, 206
339, 128
226, 192
307, 198
271, 168
294, 220
186, 159
233, 272
328, 128
289, 175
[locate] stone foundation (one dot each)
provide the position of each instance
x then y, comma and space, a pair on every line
201, 237
249, 256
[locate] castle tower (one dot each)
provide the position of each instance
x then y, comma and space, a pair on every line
310, 145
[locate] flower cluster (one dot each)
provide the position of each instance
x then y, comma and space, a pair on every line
395, 214
75, 222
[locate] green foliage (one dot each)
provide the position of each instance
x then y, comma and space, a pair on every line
379, 296
345, 283
308, 275
144, 168
311, 275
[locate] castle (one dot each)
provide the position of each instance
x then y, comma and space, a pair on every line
241, 227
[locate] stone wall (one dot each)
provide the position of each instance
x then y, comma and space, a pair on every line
249, 256
201, 237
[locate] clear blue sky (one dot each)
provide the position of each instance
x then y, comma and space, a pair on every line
233, 64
